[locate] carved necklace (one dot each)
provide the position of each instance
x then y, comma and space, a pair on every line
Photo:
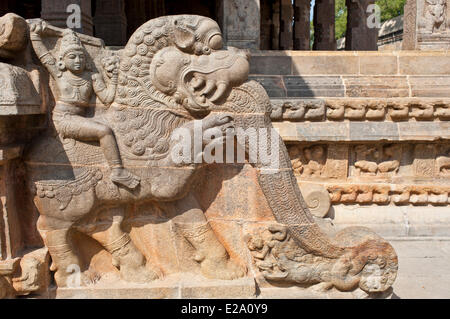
76, 82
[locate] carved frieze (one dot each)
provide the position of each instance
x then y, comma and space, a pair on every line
377, 173
433, 16
371, 160
427, 25
308, 161
356, 109
385, 194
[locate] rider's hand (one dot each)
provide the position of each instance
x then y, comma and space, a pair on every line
37, 26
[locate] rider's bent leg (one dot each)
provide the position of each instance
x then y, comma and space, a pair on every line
109, 145
87, 130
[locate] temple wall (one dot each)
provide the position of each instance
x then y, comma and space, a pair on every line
370, 127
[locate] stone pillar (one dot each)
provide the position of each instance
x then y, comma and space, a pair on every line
324, 33
110, 22
426, 25
55, 12
276, 10
302, 27
241, 23
409, 25
266, 25
286, 34
362, 31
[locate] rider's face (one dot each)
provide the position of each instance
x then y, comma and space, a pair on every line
75, 61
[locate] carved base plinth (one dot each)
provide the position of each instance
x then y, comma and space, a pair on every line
192, 286
312, 293
173, 287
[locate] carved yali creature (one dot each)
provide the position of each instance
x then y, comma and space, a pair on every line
280, 259
163, 61
171, 72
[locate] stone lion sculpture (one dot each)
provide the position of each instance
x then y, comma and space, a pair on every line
171, 73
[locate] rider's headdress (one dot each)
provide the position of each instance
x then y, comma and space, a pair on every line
70, 42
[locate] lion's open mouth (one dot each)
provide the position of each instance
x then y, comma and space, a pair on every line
205, 92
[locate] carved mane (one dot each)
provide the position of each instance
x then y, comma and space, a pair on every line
143, 117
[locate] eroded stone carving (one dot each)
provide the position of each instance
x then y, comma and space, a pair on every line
382, 194
434, 17
308, 161
443, 160
280, 259
377, 160
24, 275
298, 110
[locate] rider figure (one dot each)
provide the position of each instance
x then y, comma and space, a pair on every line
76, 85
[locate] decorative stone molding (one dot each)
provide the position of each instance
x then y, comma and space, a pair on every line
369, 161
358, 109
385, 194
376, 173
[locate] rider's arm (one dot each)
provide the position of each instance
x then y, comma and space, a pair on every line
105, 93
44, 55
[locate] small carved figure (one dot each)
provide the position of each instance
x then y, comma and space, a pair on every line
315, 157
375, 110
390, 163
355, 110
75, 85
434, 17
366, 159
172, 71
375, 160
294, 111
443, 162
295, 155
315, 110
335, 110
308, 162
422, 111
398, 110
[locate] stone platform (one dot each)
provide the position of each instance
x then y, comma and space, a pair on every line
174, 286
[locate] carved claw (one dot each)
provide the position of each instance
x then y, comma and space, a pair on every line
209, 87
221, 88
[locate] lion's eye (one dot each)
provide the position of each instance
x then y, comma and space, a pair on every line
215, 42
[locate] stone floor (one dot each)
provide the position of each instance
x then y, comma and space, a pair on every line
424, 267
